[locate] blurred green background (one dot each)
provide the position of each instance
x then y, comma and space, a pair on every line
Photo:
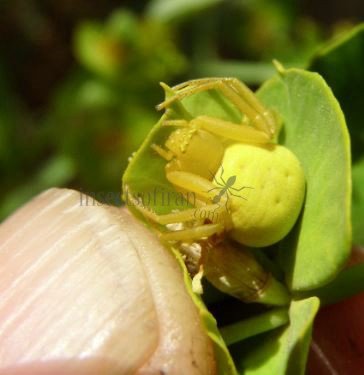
79, 79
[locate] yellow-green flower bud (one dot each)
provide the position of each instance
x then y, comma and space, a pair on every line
233, 270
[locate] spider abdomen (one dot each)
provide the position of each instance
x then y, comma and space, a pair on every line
267, 195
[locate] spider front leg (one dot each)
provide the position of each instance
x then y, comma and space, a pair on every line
216, 214
234, 90
191, 182
190, 234
239, 133
176, 217
245, 92
203, 188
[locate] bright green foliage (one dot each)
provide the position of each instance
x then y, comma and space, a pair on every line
254, 326
314, 130
225, 363
340, 63
358, 203
285, 351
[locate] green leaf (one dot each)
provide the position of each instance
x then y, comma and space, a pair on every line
341, 64
225, 363
145, 176
358, 203
348, 283
284, 352
253, 326
314, 129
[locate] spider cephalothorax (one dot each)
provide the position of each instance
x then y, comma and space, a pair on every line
247, 185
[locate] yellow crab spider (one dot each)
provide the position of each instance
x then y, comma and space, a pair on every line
201, 150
